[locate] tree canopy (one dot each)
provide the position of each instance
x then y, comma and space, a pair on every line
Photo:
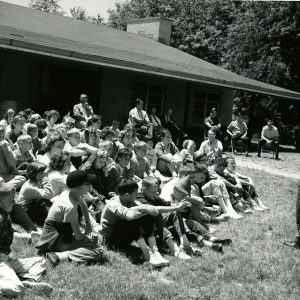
256, 39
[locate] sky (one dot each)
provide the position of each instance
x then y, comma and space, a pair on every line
93, 7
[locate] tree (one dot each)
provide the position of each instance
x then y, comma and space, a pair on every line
199, 27
50, 6
80, 13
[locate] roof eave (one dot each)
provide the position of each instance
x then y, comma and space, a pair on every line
22, 46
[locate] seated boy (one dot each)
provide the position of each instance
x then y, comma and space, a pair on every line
181, 191
8, 163
76, 149
123, 222
29, 269
23, 154
139, 164
62, 239
169, 217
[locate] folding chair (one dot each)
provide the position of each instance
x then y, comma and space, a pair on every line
268, 148
239, 147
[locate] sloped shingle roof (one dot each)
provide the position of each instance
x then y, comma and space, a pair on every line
28, 30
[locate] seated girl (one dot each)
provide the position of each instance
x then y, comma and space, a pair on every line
119, 170
187, 153
90, 137
59, 169
36, 192
54, 146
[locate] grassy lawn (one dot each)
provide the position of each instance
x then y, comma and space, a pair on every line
256, 266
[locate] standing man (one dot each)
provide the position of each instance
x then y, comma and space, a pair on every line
296, 242
155, 120
140, 120
82, 112
237, 129
269, 135
167, 122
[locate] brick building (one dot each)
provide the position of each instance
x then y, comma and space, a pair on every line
47, 61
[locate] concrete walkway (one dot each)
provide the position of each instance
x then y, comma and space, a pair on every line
265, 166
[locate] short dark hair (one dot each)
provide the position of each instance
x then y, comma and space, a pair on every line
106, 131
164, 132
186, 170
52, 140
123, 152
16, 119
127, 186
139, 100
34, 168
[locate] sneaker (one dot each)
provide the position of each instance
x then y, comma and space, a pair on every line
217, 247
154, 261
264, 207
53, 259
221, 241
257, 208
164, 262
247, 211
180, 254
196, 250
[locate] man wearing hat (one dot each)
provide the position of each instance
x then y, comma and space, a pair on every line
269, 136
30, 269
61, 238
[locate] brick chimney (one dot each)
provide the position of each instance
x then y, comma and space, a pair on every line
157, 29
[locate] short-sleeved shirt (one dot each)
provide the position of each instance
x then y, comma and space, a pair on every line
63, 210
270, 133
213, 121
237, 128
211, 149
139, 166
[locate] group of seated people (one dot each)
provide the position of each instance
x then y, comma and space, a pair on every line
86, 186
237, 132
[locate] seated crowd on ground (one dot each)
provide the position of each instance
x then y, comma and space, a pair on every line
73, 186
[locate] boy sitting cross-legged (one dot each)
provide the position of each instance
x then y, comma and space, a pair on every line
123, 222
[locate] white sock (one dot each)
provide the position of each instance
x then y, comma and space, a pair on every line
63, 256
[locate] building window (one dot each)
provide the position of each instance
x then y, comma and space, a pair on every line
203, 102
152, 95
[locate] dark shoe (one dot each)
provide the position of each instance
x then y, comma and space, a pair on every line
53, 259
258, 155
224, 242
217, 247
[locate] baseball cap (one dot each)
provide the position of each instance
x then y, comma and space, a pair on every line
78, 177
